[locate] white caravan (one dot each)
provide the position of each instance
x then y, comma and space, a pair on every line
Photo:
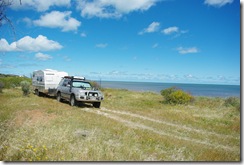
46, 81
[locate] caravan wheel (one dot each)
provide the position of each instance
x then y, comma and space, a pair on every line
37, 92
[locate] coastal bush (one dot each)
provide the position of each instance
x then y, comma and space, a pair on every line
176, 96
25, 86
167, 92
95, 85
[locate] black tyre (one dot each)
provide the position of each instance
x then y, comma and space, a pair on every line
38, 93
59, 99
97, 104
73, 101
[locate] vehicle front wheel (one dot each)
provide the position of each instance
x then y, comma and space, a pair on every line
97, 104
73, 101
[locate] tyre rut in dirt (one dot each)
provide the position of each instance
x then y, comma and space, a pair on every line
174, 135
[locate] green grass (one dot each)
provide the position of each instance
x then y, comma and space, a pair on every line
129, 126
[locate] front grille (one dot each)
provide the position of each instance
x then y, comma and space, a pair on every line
94, 94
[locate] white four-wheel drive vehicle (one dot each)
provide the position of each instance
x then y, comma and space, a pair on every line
77, 89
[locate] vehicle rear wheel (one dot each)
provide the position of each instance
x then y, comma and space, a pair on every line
59, 99
73, 101
97, 104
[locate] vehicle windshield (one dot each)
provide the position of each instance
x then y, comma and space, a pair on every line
82, 84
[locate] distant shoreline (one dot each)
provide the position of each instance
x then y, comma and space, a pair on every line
208, 90
124, 81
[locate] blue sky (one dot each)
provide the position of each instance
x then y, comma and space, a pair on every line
180, 41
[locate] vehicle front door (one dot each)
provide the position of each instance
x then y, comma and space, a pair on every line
65, 92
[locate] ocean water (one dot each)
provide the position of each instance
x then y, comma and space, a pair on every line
209, 90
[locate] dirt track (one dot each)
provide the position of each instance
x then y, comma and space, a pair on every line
123, 117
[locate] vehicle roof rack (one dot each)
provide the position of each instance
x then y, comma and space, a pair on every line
75, 77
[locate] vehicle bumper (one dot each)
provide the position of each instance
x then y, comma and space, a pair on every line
89, 98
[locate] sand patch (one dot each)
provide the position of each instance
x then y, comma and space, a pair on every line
32, 117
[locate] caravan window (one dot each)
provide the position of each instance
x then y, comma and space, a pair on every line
39, 78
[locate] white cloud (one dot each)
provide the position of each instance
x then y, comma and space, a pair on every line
43, 57
153, 27
155, 45
170, 30
190, 76
28, 21
217, 3
182, 50
83, 34
117, 73
101, 45
6, 47
39, 5
57, 19
112, 8
27, 43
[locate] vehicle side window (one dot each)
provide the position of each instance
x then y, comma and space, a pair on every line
66, 82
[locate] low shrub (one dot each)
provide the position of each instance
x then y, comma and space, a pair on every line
167, 92
25, 86
176, 96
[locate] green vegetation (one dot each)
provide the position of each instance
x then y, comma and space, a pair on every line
12, 81
1, 86
25, 86
129, 126
233, 101
176, 96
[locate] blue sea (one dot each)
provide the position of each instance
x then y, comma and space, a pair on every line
209, 90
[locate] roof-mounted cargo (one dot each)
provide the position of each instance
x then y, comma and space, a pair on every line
75, 77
